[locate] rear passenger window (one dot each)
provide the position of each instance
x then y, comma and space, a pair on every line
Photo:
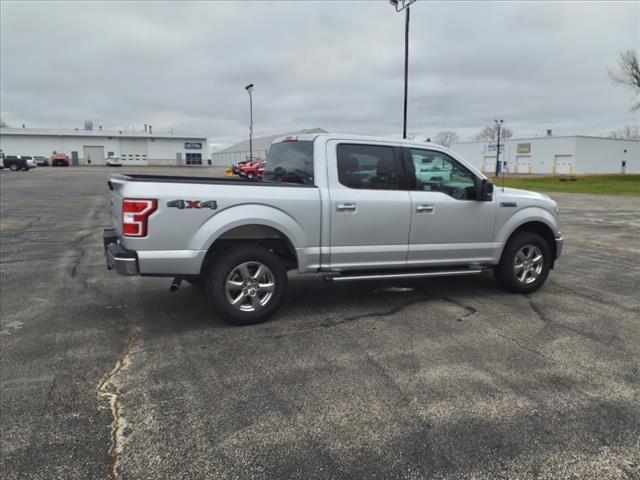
369, 167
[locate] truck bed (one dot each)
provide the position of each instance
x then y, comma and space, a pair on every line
141, 177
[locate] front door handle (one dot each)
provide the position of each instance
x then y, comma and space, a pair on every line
424, 208
346, 207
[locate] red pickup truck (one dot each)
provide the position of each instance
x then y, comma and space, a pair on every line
250, 168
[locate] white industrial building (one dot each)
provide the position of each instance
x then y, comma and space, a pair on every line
551, 155
93, 147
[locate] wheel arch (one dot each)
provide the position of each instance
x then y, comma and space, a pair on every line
539, 227
266, 236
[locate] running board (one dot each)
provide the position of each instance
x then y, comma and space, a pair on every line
382, 276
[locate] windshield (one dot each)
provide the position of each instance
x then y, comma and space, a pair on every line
290, 162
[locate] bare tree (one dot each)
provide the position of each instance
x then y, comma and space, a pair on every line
627, 132
490, 132
446, 138
628, 74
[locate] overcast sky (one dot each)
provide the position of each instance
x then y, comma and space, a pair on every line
336, 65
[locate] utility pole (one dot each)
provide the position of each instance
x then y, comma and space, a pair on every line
249, 89
399, 6
406, 69
498, 124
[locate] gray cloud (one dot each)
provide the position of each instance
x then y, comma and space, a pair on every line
336, 65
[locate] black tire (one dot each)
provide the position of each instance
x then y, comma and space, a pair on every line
13, 167
226, 265
521, 244
250, 175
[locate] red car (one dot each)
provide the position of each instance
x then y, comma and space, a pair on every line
251, 169
60, 160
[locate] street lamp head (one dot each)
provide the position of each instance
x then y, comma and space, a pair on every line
400, 5
249, 87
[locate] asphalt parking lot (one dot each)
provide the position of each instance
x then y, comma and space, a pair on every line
104, 376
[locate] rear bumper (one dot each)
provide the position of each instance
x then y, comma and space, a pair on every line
123, 261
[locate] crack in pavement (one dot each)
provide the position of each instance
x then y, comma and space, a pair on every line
23, 230
594, 298
550, 323
386, 313
470, 310
32, 259
76, 243
107, 389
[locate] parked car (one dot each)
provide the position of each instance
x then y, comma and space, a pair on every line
351, 207
41, 161
235, 168
252, 169
16, 163
31, 162
114, 162
60, 160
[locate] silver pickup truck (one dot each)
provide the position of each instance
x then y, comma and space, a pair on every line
351, 207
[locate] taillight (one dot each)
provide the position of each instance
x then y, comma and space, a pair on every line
135, 213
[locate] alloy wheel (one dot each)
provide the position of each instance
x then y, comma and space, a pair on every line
250, 286
528, 264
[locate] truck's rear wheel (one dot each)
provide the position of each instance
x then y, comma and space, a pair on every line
247, 285
13, 167
525, 263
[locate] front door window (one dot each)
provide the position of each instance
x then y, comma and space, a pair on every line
438, 172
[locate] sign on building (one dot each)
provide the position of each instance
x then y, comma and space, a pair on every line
524, 148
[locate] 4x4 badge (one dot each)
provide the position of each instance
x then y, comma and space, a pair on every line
212, 204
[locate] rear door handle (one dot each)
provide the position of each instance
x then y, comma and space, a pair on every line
424, 208
346, 207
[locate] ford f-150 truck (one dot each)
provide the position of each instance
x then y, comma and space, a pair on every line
351, 207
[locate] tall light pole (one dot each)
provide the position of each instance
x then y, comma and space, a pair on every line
249, 88
399, 6
498, 124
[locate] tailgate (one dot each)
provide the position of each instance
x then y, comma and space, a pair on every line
116, 185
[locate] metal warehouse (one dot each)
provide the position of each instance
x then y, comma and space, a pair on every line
93, 147
240, 151
555, 155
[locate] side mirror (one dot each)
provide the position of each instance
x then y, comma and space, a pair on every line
485, 192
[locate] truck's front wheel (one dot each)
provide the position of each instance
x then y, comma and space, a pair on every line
247, 284
525, 263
